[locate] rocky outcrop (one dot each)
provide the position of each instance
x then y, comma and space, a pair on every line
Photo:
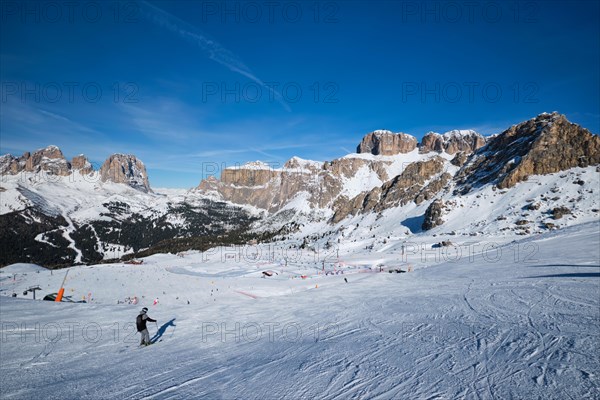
433, 215
559, 212
271, 189
266, 188
338, 185
126, 169
209, 184
433, 188
452, 142
347, 167
299, 164
253, 174
459, 159
9, 165
462, 140
545, 144
432, 141
415, 183
118, 168
82, 164
49, 160
386, 143
408, 185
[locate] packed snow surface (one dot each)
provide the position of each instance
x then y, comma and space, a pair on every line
518, 320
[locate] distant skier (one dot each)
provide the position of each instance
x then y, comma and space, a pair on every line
141, 326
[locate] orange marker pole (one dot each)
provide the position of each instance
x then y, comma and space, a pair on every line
61, 291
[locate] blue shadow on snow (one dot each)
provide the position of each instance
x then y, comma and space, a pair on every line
161, 331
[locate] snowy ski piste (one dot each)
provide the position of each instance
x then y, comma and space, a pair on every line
518, 320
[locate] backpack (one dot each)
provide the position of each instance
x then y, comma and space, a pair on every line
141, 324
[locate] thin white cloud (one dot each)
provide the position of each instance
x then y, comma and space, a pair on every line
265, 153
55, 116
215, 50
247, 150
28, 127
217, 153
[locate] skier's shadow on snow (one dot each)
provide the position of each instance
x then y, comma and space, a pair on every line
161, 331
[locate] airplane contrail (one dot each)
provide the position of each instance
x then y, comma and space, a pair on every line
215, 50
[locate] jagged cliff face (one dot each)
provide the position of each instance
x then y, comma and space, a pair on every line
546, 144
386, 143
419, 182
126, 169
344, 184
441, 184
118, 168
543, 145
272, 189
49, 160
452, 142
82, 164
372, 181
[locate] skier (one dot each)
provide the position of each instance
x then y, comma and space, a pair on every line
141, 326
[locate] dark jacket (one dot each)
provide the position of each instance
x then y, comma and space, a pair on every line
141, 321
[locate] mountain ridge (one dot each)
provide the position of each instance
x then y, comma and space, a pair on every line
118, 168
442, 186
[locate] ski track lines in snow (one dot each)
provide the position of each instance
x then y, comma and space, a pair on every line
67, 235
472, 330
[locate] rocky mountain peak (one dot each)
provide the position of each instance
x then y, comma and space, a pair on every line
542, 145
82, 164
297, 163
51, 152
452, 142
8, 165
126, 169
49, 160
386, 143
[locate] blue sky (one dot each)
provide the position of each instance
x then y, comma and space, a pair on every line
192, 86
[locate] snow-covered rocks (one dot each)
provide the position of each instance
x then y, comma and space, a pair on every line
302, 196
383, 142
82, 164
542, 145
49, 160
452, 142
127, 169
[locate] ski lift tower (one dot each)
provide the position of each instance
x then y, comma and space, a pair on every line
32, 289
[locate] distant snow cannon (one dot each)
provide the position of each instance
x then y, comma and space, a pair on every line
61, 291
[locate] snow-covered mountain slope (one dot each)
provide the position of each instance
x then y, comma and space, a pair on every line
442, 168
77, 218
484, 217
319, 184
535, 176
514, 321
